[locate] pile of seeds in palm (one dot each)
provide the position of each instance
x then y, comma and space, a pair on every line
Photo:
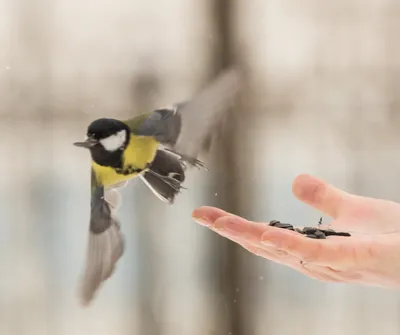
311, 232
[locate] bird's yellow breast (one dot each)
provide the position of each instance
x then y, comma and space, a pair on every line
139, 152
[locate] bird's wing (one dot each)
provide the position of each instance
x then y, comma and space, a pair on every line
106, 242
184, 127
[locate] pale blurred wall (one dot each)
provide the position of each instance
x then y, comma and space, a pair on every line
321, 98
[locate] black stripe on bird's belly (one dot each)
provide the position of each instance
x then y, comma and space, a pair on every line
127, 170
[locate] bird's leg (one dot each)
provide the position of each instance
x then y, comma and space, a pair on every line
188, 159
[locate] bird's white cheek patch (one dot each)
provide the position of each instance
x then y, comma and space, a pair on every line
114, 142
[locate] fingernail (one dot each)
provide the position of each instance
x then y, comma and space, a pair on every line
202, 221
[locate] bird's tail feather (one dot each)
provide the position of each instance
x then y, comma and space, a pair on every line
165, 176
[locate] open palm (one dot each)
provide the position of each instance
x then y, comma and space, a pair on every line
370, 256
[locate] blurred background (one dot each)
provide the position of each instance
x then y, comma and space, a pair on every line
320, 97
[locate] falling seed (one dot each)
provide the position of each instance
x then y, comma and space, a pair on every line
237, 290
234, 300
261, 278
7, 67
216, 194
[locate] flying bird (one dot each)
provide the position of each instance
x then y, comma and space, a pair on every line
157, 147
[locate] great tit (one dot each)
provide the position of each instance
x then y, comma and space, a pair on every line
157, 147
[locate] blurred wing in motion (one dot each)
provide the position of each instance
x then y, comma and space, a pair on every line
185, 127
106, 242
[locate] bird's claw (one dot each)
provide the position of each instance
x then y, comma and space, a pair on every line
189, 160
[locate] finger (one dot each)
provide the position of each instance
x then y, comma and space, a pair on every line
248, 235
366, 215
206, 215
319, 194
236, 226
355, 213
255, 247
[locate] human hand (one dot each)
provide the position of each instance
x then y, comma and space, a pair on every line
370, 256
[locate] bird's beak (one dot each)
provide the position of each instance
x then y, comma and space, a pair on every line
88, 143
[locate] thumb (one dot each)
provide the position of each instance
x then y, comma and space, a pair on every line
319, 194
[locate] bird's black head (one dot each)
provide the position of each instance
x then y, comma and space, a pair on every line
104, 128
106, 139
